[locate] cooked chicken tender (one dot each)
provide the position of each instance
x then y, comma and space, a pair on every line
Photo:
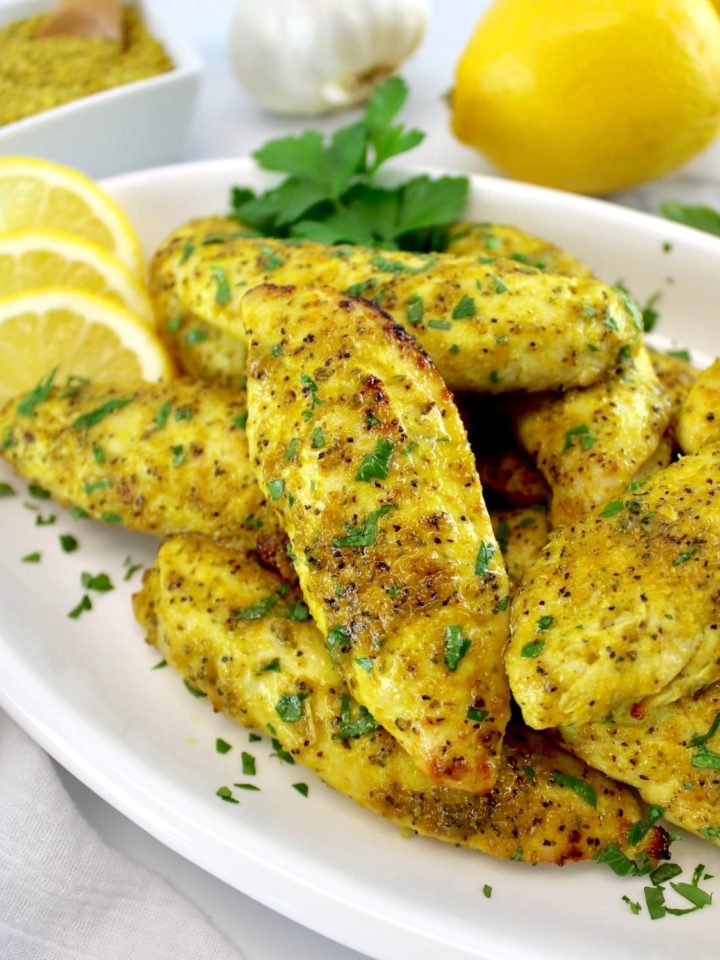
521, 535
677, 377
671, 757
493, 327
157, 457
355, 437
204, 352
221, 621
501, 240
591, 443
699, 420
621, 613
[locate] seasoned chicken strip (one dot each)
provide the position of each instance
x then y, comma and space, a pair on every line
671, 757
699, 420
493, 327
157, 457
221, 621
521, 535
355, 437
621, 612
500, 240
204, 352
677, 377
591, 443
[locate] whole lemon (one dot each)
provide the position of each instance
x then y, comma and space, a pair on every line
590, 95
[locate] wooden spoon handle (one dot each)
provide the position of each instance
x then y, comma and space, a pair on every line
84, 18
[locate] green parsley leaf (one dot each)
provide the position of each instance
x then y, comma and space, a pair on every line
365, 663
178, 454
634, 906
301, 788
195, 691
276, 488
291, 449
68, 543
249, 767
163, 412
241, 420
502, 605
40, 493
584, 790
225, 793
455, 646
533, 649
499, 285
222, 746
337, 641
680, 355
187, 250
32, 557
349, 728
377, 463
282, 755
650, 315
622, 865
465, 307
100, 582
317, 438
365, 533
77, 513
612, 508
272, 666
247, 786
87, 420
544, 623
262, 607
193, 337
6, 490
415, 309
699, 217
485, 553
684, 557
85, 604
37, 395
655, 900
582, 431
222, 287
665, 872
45, 521
290, 706
639, 830
159, 665
476, 715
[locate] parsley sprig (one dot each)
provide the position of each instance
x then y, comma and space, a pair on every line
330, 195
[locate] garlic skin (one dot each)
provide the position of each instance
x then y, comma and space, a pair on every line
308, 57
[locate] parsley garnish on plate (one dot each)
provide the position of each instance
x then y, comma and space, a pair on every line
330, 193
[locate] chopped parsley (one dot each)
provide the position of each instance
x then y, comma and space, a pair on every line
178, 454
439, 324
365, 533
349, 728
487, 890
365, 663
465, 307
533, 649
638, 830
485, 553
241, 420
455, 646
222, 287
684, 557
385, 265
196, 336
376, 464
704, 758
6, 490
99, 582
544, 623
290, 707
222, 746
317, 438
225, 793
32, 557
40, 392
40, 493
271, 259
249, 767
499, 285
130, 568
584, 790
276, 488
195, 691
85, 604
302, 788
87, 420
415, 309
262, 607
174, 323
476, 715
68, 543
163, 412
337, 641
187, 250
291, 449
582, 432
90, 486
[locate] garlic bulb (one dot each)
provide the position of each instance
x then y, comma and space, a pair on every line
314, 56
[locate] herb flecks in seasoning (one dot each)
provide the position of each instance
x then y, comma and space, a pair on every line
87, 420
485, 553
262, 607
376, 465
584, 790
580, 433
37, 395
222, 287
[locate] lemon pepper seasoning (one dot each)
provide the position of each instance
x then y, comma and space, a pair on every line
37, 74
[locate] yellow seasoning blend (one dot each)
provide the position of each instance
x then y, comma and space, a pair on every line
37, 74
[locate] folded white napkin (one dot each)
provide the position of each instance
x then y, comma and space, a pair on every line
64, 894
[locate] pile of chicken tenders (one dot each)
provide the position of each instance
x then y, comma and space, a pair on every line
442, 522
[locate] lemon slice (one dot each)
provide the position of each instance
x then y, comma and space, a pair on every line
32, 259
78, 333
38, 193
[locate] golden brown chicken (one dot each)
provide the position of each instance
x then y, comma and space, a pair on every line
621, 613
509, 242
355, 438
671, 757
521, 534
699, 420
591, 443
677, 376
160, 458
493, 327
241, 636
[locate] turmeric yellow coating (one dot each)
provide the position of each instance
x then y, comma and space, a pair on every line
591, 443
160, 458
667, 756
677, 377
493, 327
219, 620
620, 613
699, 420
356, 439
521, 534
510, 242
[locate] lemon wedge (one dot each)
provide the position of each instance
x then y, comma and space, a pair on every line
38, 193
32, 259
77, 334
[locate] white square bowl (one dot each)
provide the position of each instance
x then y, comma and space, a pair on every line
137, 125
